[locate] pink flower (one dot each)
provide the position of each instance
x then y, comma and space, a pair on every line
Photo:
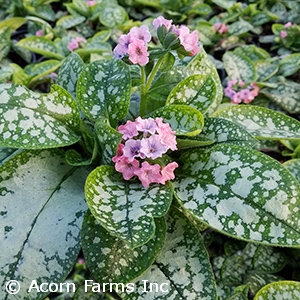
148, 174
152, 147
146, 125
80, 40
91, 2
119, 154
237, 98
160, 21
167, 172
138, 53
129, 130
39, 32
141, 33
127, 168
229, 92
167, 136
132, 149
283, 34
188, 40
220, 27
288, 24
72, 45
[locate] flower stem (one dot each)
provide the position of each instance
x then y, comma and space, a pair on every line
146, 85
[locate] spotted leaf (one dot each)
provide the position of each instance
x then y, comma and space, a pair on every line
34, 121
202, 64
70, 21
238, 67
183, 119
198, 91
110, 260
113, 15
109, 139
261, 122
182, 270
283, 290
103, 90
265, 70
5, 42
41, 210
289, 65
239, 27
40, 45
293, 165
286, 95
125, 208
241, 192
69, 73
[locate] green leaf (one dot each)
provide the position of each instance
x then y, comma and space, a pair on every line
286, 95
293, 165
224, 131
283, 290
34, 121
103, 90
241, 192
183, 119
268, 259
41, 210
258, 280
198, 91
40, 45
125, 208
13, 23
239, 27
109, 139
224, 3
69, 72
289, 64
110, 260
182, 269
5, 42
113, 15
202, 64
7, 153
70, 21
239, 67
252, 52
265, 70
263, 123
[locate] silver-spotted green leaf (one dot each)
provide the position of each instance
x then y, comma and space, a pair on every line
265, 70
5, 42
224, 131
239, 27
69, 72
113, 15
110, 260
126, 209
253, 52
7, 153
268, 259
289, 65
283, 290
293, 165
103, 90
241, 192
34, 121
198, 91
202, 64
40, 45
238, 67
70, 21
41, 210
183, 119
258, 280
109, 139
286, 94
263, 123
182, 269
224, 3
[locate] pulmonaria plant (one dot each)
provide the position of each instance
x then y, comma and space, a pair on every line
97, 160
239, 92
143, 141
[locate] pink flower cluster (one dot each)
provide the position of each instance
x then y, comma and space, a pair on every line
220, 28
283, 33
135, 43
237, 91
143, 141
76, 43
91, 2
